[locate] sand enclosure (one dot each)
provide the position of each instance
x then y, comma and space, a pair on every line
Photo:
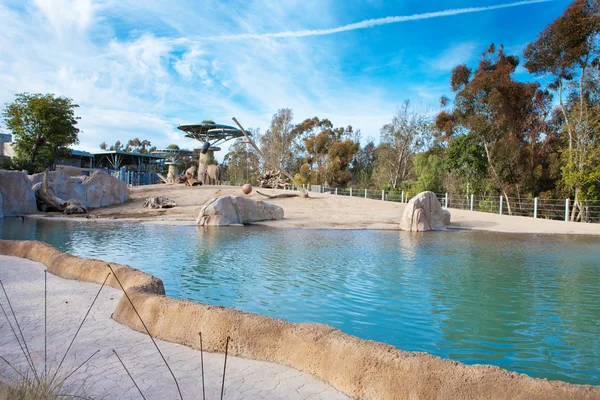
321, 211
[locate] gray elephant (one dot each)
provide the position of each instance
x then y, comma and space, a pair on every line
209, 174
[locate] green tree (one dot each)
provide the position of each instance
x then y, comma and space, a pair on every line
566, 53
428, 169
504, 115
278, 141
400, 140
243, 163
43, 127
465, 156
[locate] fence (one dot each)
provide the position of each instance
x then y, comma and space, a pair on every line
134, 178
556, 209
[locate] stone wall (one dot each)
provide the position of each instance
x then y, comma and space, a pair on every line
362, 369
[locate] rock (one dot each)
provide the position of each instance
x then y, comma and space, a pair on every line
446, 217
424, 213
74, 207
104, 190
63, 185
247, 188
159, 202
236, 210
1, 213
17, 195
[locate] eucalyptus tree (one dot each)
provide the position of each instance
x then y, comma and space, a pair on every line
399, 141
566, 56
504, 115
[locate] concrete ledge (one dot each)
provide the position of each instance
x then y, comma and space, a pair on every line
362, 369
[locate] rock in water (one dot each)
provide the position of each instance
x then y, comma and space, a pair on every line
104, 190
247, 188
159, 202
236, 210
17, 195
424, 213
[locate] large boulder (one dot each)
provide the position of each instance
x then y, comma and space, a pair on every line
236, 210
17, 196
63, 185
424, 213
104, 190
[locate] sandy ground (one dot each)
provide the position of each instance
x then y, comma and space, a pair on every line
322, 211
104, 377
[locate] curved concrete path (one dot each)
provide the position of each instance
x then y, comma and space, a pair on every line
104, 377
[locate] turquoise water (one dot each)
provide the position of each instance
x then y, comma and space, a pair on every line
527, 303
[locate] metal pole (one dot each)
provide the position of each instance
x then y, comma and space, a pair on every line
350, 192
446, 201
471, 202
403, 196
567, 210
535, 207
500, 204
365, 193
383, 195
336, 191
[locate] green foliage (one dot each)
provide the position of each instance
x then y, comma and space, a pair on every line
173, 147
243, 164
428, 169
133, 146
43, 128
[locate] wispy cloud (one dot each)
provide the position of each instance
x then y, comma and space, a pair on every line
370, 23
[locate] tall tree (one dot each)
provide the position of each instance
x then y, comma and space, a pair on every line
499, 112
243, 163
400, 140
566, 53
278, 141
43, 127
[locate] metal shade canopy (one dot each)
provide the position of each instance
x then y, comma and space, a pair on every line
213, 134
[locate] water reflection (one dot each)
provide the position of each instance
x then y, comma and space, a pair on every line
526, 303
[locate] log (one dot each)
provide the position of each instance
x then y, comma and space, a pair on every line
279, 196
48, 201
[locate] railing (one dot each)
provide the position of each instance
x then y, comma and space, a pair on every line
555, 209
134, 178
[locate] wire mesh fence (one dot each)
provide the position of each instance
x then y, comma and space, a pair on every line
555, 209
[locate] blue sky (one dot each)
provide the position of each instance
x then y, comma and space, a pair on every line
139, 68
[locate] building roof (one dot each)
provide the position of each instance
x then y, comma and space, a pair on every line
125, 153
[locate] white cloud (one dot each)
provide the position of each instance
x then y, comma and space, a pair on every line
138, 69
370, 23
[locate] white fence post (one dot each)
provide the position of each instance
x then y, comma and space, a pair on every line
567, 210
471, 201
535, 207
500, 204
403, 196
365, 193
350, 192
383, 195
336, 191
446, 201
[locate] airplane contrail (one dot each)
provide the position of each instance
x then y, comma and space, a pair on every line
369, 23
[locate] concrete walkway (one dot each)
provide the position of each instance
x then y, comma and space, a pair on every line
104, 377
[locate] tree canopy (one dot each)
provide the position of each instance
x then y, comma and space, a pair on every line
43, 127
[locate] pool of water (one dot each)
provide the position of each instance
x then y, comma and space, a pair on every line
527, 303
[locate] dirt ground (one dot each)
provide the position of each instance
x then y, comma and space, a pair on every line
321, 211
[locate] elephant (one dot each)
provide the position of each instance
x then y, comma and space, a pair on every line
209, 174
